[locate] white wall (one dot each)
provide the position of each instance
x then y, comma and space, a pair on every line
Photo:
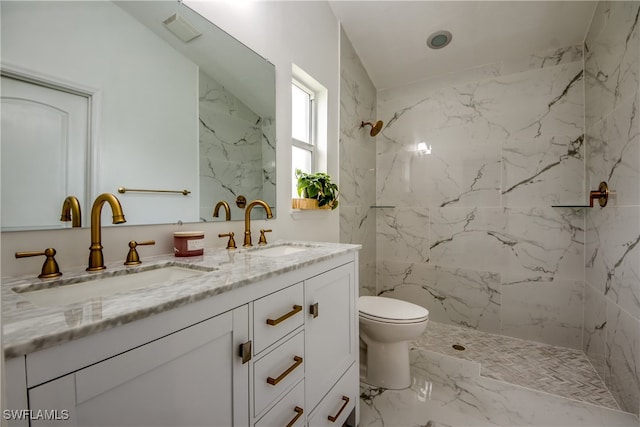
304, 33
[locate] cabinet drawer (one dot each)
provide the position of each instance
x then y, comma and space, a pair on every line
287, 412
337, 405
277, 371
277, 314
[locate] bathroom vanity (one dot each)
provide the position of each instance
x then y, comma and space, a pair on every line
264, 336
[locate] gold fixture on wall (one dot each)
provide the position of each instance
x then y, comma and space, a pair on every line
602, 194
375, 128
123, 190
96, 259
71, 211
49, 268
227, 210
241, 201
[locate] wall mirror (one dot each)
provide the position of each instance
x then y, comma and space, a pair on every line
143, 95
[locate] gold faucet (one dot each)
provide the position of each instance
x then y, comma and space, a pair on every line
71, 211
247, 219
96, 259
226, 208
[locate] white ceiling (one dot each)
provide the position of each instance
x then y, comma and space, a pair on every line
390, 36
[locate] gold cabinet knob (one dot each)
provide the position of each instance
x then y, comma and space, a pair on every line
49, 268
132, 257
231, 244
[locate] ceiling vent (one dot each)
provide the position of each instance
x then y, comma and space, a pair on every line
181, 28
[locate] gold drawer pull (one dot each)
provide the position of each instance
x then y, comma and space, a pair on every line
296, 309
344, 405
275, 381
299, 412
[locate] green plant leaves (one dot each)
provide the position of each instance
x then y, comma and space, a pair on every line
317, 186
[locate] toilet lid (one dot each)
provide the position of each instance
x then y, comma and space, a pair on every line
391, 309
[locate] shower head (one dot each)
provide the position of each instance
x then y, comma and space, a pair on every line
375, 128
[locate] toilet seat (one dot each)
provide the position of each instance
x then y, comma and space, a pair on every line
391, 310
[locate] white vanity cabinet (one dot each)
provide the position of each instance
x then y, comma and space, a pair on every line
279, 351
331, 345
190, 377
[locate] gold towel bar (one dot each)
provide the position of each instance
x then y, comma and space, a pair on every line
124, 190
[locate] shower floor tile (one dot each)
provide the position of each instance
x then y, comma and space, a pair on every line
450, 392
555, 370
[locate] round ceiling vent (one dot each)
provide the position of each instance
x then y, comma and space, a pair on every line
439, 39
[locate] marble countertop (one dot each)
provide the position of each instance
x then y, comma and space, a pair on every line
28, 328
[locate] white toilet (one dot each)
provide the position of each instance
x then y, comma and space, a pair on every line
386, 327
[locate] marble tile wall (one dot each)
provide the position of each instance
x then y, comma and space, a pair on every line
612, 141
472, 235
235, 150
357, 162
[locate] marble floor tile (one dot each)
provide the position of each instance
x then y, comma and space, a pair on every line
485, 386
557, 370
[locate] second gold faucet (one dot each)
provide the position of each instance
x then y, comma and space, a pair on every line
247, 219
96, 259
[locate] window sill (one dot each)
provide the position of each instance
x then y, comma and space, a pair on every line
309, 214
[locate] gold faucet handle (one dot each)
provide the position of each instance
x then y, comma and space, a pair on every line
132, 257
231, 244
263, 238
49, 268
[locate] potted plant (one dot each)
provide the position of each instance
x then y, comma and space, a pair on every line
317, 191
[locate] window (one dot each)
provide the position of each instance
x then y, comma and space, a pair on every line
302, 132
308, 125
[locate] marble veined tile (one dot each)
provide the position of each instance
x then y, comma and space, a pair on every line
622, 369
613, 254
544, 59
402, 234
230, 147
613, 152
357, 225
544, 171
612, 57
469, 237
543, 242
554, 102
448, 394
547, 311
529, 243
557, 370
453, 296
461, 169
594, 328
357, 148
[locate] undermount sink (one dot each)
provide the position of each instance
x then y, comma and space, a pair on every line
52, 295
278, 251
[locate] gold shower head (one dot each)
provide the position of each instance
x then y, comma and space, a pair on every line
375, 128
